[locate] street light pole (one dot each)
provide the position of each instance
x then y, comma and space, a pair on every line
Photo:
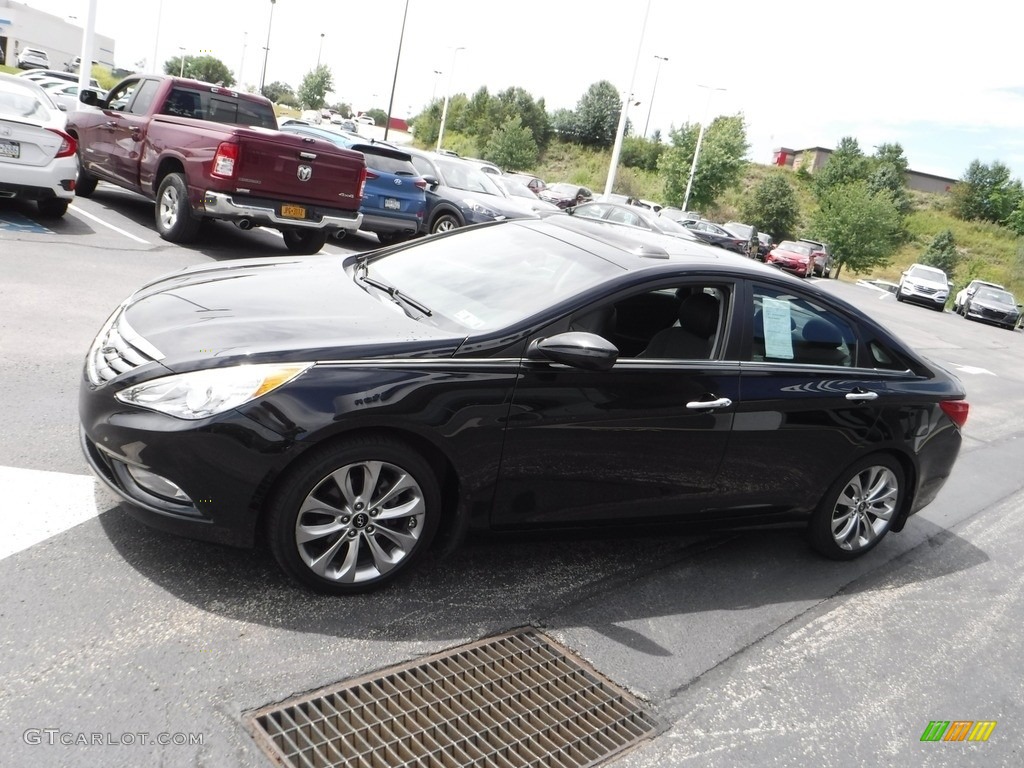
700, 139
266, 48
181, 71
447, 96
433, 93
394, 80
653, 91
320, 51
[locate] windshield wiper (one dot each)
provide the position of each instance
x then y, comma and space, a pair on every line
396, 294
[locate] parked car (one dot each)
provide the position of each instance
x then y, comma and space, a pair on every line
793, 257
992, 305
459, 193
566, 195
485, 166
311, 116
520, 193
394, 199
679, 216
822, 255
535, 183
764, 245
38, 74
544, 373
365, 119
33, 58
712, 234
632, 216
38, 157
748, 232
961, 297
200, 151
925, 285
63, 93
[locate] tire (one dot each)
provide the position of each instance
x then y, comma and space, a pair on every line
86, 183
858, 509
347, 548
304, 242
445, 223
52, 208
174, 219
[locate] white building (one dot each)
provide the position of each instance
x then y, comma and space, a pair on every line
24, 27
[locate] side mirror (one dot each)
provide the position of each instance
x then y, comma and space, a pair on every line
432, 181
62, 108
577, 349
89, 97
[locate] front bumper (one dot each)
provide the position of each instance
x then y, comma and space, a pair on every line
264, 212
926, 296
988, 315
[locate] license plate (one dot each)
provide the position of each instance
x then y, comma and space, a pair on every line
390, 202
293, 211
10, 149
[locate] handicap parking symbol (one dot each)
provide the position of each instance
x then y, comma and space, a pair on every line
15, 222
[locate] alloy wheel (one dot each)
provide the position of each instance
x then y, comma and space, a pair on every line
864, 508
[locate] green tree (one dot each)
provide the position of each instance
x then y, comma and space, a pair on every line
987, 193
773, 207
313, 90
596, 119
517, 102
380, 117
278, 91
209, 69
638, 152
942, 253
563, 123
846, 165
890, 174
719, 167
862, 227
512, 145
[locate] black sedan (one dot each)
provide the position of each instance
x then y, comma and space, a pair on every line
531, 373
712, 234
633, 216
566, 195
992, 305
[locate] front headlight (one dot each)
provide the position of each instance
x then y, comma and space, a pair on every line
483, 210
199, 394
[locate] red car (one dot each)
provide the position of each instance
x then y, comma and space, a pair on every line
790, 256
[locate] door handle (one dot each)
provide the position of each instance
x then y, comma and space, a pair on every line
709, 405
861, 394
110, 124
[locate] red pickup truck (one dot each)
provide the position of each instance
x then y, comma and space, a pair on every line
202, 151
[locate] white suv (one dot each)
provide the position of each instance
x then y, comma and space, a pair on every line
924, 285
32, 58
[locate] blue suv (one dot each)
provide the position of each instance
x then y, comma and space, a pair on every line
395, 198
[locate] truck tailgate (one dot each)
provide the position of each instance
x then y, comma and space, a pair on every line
298, 169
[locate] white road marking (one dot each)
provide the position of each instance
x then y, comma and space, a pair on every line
973, 369
40, 505
78, 211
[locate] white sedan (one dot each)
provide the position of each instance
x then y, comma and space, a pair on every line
38, 159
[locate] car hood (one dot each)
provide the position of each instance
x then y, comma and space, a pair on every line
998, 306
297, 309
500, 205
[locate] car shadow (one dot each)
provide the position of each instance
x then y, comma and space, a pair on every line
491, 583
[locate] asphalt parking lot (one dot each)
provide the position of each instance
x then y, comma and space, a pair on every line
746, 648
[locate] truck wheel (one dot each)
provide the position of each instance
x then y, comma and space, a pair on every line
304, 241
174, 219
86, 183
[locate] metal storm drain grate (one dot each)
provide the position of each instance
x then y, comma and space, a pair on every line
513, 700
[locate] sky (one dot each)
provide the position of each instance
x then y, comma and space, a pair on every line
941, 79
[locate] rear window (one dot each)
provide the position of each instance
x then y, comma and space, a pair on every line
218, 108
385, 163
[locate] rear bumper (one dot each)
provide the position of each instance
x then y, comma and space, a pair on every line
391, 224
30, 182
262, 212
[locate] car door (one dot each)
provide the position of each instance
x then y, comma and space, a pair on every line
128, 133
105, 135
808, 407
642, 439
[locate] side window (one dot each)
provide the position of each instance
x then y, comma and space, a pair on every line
118, 99
423, 166
684, 322
625, 217
789, 328
144, 98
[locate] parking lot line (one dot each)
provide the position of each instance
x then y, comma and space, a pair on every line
78, 211
42, 504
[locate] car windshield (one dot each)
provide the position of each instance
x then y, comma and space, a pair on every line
20, 103
927, 273
563, 189
490, 277
466, 177
997, 297
517, 189
800, 248
741, 230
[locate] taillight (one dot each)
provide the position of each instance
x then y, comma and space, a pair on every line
68, 145
956, 410
225, 159
420, 184
370, 175
362, 181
